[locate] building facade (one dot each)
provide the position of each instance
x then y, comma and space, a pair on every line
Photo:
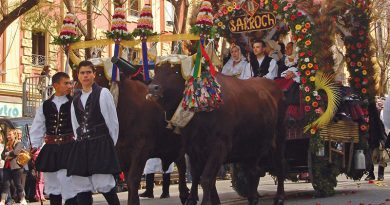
26, 45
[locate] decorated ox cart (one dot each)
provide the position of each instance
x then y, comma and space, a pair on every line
316, 143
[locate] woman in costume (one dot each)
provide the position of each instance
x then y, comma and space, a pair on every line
236, 65
12, 170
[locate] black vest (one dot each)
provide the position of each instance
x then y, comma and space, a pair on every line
90, 118
57, 123
260, 70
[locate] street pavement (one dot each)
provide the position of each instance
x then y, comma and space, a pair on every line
348, 192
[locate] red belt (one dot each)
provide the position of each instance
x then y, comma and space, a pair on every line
57, 139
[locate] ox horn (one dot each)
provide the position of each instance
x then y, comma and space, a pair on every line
124, 66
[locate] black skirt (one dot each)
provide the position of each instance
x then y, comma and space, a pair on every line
53, 157
93, 156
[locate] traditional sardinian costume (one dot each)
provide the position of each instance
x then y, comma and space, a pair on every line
93, 160
263, 67
52, 128
94, 151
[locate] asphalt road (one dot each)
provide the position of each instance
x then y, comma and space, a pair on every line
348, 192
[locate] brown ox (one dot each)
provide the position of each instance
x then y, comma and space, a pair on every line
249, 126
142, 134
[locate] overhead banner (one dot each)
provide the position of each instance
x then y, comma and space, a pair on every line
256, 22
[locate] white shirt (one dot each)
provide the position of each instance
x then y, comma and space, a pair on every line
240, 70
386, 113
107, 108
272, 70
38, 127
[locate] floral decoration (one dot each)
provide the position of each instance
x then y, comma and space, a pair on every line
301, 28
145, 23
68, 33
119, 25
358, 57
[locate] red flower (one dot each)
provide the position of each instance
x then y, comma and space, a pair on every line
301, 54
303, 80
353, 56
315, 104
316, 67
361, 32
353, 47
299, 13
293, 17
359, 45
307, 108
276, 7
357, 79
309, 53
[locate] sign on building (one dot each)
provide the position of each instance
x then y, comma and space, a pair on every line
10, 109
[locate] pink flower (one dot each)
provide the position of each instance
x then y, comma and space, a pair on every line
317, 2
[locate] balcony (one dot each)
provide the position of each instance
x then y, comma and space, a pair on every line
39, 60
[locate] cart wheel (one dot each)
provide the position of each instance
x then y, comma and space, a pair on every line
323, 175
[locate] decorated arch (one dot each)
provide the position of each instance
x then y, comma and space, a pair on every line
283, 16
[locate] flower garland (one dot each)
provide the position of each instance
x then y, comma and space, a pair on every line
358, 59
119, 25
301, 28
145, 23
204, 21
68, 33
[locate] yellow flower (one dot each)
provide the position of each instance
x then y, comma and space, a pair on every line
234, 4
230, 8
307, 98
313, 131
303, 67
308, 43
312, 78
310, 65
298, 27
359, 64
220, 24
364, 72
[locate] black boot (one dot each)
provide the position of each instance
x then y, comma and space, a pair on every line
370, 170
84, 198
165, 187
381, 171
149, 186
112, 197
55, 199
71, 201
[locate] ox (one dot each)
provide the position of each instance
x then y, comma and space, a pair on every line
247, 129
142, 132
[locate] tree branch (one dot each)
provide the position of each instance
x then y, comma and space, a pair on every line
16, 13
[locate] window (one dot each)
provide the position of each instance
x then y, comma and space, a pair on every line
38, 49
134, 8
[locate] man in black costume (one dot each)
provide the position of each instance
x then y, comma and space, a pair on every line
52, 126
93, 162
261, 64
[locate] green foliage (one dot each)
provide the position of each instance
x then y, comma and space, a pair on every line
119, 35
66, 40
204, 30
143, 32
324, 176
